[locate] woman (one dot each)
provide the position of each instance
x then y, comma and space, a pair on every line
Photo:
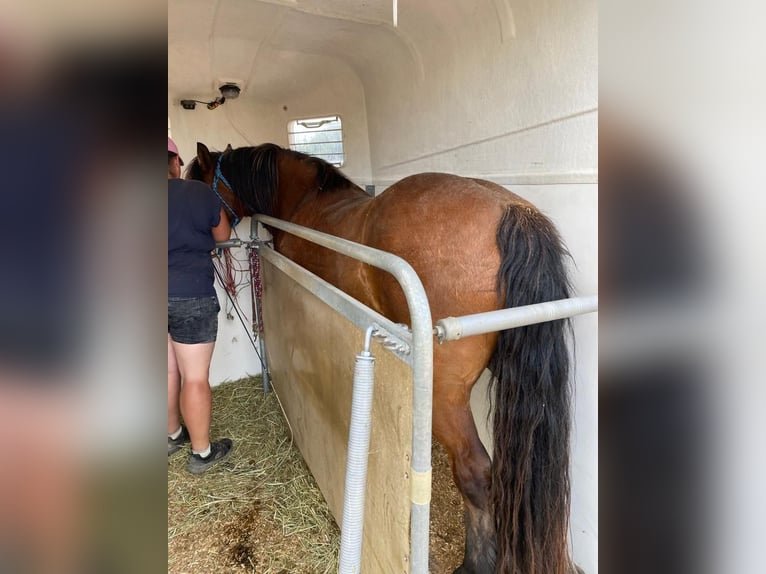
196, 221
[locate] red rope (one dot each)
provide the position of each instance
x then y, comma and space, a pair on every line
256, 286
230, 286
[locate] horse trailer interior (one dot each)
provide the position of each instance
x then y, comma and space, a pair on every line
501, 90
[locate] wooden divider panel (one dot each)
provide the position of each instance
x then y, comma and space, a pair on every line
311, 350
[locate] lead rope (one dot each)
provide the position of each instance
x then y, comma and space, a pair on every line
228, 284
220, 177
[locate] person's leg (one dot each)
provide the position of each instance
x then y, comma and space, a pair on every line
196, 398
174, 390
195, 322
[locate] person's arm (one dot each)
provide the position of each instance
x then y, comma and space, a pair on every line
222, 231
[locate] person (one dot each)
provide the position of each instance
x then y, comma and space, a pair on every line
196, 221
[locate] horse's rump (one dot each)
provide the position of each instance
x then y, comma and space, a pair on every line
445, 226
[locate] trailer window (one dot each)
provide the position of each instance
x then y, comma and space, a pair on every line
320, 137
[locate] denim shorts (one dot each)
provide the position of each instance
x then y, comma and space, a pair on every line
193, 320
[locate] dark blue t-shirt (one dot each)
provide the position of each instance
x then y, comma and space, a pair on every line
193, 209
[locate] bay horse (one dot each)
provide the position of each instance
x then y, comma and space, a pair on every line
476, 247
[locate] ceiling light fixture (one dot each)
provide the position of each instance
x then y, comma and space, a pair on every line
230, 91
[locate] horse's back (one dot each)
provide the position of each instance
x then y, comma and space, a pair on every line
445, 226
446, 189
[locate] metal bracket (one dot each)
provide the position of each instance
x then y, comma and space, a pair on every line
236, 242
393, 342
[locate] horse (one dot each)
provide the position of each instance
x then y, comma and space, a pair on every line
476, 247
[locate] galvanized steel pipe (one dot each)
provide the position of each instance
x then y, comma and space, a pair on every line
453, 328
257, 318
229, 243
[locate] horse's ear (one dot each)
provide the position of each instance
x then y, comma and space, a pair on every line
203, 158
228, 148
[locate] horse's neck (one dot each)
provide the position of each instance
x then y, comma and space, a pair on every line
292, 201
298, 188
290, 196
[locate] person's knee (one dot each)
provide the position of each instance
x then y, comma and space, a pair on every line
198, 382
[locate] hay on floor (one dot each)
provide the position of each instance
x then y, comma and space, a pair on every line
257, 511
260, 510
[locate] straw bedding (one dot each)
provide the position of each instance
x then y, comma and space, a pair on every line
260, 511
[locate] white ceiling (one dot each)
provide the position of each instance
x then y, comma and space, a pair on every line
258, 44
262, 45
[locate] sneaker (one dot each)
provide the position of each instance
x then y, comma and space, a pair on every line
176, 444
218, 451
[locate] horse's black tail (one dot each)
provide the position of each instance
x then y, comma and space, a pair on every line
529, 493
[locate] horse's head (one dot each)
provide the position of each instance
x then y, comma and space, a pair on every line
207, 167
246, 178
265, 179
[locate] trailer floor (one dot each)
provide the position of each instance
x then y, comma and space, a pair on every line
260, 511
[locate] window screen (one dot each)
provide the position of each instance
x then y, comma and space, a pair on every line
320, 137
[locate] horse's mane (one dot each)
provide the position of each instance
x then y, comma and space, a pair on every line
329, 177
254, 175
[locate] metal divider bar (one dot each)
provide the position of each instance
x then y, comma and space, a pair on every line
422, 367
453, 328
356, 312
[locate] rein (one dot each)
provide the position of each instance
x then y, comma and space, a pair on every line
222, 178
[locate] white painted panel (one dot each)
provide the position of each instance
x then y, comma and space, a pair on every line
525, 101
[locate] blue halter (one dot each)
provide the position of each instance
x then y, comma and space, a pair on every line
220, 177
